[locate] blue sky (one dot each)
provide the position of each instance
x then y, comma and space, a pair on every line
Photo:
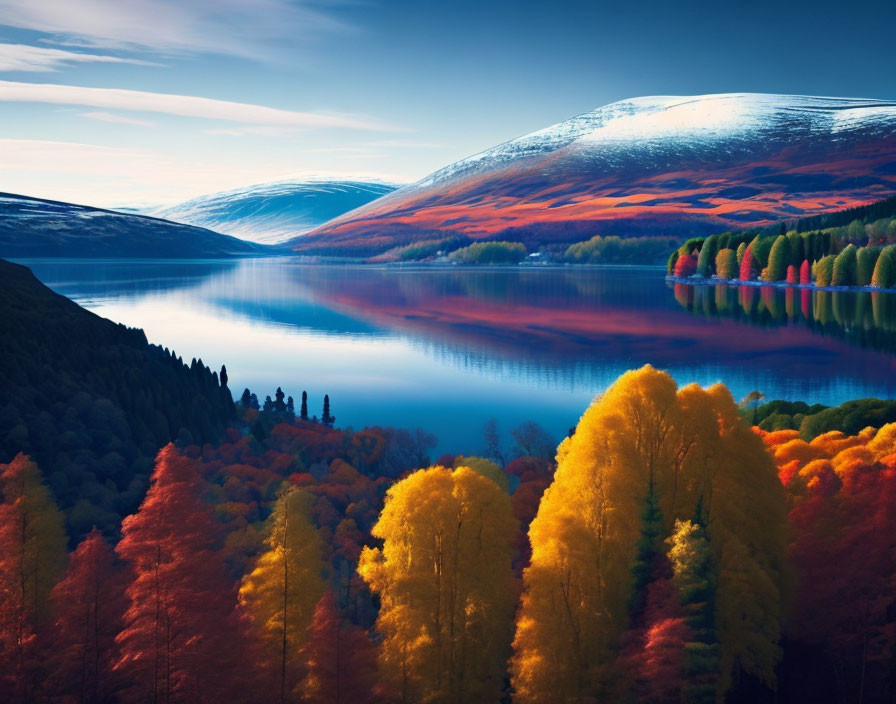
116, 102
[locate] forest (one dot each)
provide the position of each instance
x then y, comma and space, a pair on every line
92, 402
668, 552
600, 249
822, 251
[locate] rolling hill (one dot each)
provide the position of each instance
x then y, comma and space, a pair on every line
274, 212
665, 165
33, 227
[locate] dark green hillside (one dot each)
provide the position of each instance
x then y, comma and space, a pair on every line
92, 401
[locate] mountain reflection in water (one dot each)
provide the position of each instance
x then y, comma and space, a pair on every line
448, 348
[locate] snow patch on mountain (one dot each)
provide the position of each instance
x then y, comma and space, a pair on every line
637, 124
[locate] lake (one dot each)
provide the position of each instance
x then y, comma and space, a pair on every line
446, 349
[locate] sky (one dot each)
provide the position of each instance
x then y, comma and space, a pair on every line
150, 102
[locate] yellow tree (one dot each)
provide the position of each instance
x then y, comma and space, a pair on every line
281, 592
445, 583
746, 511
486, 468
686, 447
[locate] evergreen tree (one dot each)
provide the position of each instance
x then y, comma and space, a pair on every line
649, 546
707, 256
326, 418
866, 259
824, 270
670, 263
279, 405
844, 272
856, 231
695, 579
223, 375
258, 431
253, 402
778, 258
304, 411
885, 269
268, 405
290, 406
246, 399
760, 249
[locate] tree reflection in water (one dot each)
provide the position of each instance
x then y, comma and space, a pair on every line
864, 318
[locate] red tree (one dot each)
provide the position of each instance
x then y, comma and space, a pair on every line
746, 265
685, 265
792, 274
32, 557
845, 557
654, 653
89, 603
340, 658
182, 640
535, 476
18, 642
805, 272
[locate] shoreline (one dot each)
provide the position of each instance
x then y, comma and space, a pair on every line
703, 281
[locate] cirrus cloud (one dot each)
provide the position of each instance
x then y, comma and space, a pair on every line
23, 57
180, 105
103, 116
259, 29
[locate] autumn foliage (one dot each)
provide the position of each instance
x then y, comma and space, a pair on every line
445, 583
89, 603
687, 447
842, 497
670, 554
685, 265
32, 558
180, 625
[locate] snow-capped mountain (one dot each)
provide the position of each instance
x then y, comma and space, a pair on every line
34, 227
664, 164
273, 212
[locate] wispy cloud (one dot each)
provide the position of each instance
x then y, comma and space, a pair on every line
250, 130
22, 57
257, 29
181, 105
103, 116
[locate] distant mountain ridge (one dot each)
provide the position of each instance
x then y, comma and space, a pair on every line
274, 212
660, 164
35, 227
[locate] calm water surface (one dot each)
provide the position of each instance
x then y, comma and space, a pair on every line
447, 349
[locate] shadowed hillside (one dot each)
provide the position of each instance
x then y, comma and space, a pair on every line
92, 401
